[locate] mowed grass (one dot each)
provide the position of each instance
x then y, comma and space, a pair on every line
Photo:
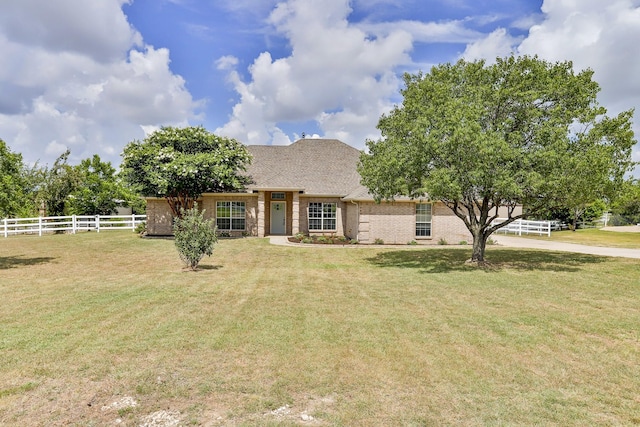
355, 336
595, 237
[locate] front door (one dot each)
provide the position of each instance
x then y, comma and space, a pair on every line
278, 217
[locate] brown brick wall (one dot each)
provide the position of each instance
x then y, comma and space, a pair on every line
159, 218
394, 223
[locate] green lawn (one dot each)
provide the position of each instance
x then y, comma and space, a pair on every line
355, 336
595, 237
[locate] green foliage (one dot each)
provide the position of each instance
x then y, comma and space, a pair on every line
626, 207
443, 241
98, 189
56, 184
182, 163
586, 213
195, 236
14, 185
478, 137
378, 241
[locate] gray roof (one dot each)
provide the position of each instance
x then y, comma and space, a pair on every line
315, 166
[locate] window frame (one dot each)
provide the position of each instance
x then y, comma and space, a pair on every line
326, 216
237, 213
421, 225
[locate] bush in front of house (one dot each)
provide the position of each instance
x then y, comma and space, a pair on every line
195, 236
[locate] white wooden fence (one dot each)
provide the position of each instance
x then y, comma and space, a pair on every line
521, 226
71, 224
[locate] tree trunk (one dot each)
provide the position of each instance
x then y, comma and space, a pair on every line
479, 245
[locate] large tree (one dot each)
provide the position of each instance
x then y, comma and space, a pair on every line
14, 186
180, 164
98, 191
56, 184
479, 137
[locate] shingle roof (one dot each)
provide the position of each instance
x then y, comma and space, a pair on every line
316, 166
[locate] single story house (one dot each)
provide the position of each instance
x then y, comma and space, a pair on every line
312, 187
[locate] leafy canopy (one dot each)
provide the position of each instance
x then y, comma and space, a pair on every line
98, 191
13, 184
180, 164
480, 137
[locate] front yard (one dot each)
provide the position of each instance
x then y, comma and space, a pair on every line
106, 329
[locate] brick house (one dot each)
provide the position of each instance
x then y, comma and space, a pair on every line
312, 186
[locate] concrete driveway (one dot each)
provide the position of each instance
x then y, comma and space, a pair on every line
506, 241
520, 242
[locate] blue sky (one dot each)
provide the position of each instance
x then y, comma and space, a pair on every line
92, 76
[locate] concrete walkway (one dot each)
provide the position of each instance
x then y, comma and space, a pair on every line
502, 240
520, 242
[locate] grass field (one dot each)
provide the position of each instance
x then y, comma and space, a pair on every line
595, 237
107, 329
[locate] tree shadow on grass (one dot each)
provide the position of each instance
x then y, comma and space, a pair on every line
439, 260
21, 261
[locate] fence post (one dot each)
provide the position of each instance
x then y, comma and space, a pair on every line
519, 227
40, 226
73, 224
5, 228
548, 228
98, 223
133, 222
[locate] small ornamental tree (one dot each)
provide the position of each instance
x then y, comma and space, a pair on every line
195, 236
180, 164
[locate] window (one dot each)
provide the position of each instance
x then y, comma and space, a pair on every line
322, 216
423, 220
277, 196
230, 216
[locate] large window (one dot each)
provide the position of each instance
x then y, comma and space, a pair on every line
423, 220
322, 216
230, 216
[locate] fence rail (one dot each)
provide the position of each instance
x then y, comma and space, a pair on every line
521, 226
73, 224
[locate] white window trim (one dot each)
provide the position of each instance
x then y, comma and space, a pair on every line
231, 217
430, 222
322, 218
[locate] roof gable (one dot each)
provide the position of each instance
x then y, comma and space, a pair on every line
315, 166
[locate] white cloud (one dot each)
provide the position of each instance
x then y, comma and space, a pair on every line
337, 74
82, 78
427, 32
497, 44
227, 62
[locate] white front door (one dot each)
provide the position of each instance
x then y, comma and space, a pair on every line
278, 217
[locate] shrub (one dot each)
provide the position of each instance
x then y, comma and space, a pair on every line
463, 243
378, 241
412, 243
141, 228
442, 241
195, 236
